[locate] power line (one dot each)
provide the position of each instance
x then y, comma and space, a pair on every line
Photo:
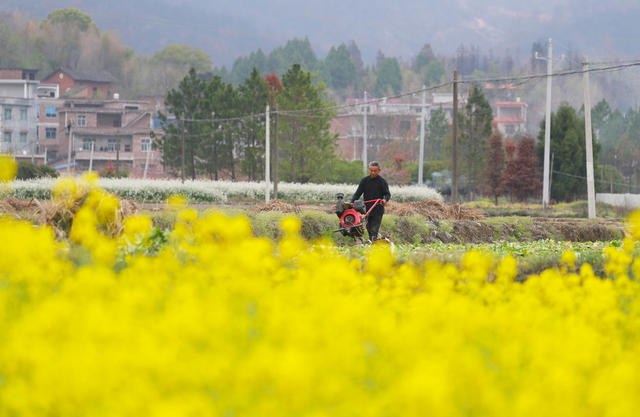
520, 79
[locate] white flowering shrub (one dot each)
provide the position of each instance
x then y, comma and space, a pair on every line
219, 191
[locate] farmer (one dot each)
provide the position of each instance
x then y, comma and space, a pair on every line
373, 186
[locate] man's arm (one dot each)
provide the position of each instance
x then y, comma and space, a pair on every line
359, 191
385, 191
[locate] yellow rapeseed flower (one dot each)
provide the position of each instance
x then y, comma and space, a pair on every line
8, 168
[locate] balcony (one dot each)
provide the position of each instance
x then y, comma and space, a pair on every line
103, 156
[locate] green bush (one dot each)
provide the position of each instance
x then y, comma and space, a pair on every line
345, 172
27, 171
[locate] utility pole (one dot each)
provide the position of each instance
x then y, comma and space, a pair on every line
91, 156
591, 195
118, 148
364, 135
276, 160
213, 143
146, 162
182, 168
267, 156
422, 117
118, 158
547, 129
454, 137
70, 134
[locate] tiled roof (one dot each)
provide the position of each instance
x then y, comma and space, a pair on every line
508, 120
511, 103
101, 76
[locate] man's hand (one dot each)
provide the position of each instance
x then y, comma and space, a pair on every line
384, 202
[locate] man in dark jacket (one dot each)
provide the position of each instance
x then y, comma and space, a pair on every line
373, 187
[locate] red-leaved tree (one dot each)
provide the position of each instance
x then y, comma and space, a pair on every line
522, 177
494, 169
509, 178
529, 178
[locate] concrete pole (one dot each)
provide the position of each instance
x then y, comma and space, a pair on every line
146, 162
454, 137
422, 117
364, 135
91, 156
182, 162
267, 157
70, 126
591, 195
547, 132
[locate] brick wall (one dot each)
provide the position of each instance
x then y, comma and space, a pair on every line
10, 74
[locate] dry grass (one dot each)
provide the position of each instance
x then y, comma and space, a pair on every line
433, 210
278, 205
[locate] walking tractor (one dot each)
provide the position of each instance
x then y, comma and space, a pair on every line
353, 216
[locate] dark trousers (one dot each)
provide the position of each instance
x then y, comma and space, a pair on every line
373, 222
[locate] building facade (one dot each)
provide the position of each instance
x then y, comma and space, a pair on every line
106, 136
18, 114
77, 84
511, 117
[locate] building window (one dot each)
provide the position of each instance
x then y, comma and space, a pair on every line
38, 111
23, 114
145, 145
23, 137
7, 136
127, 147
405, 126
82, 120
50, 111
50, 132
86, 144
7, 113
112, 144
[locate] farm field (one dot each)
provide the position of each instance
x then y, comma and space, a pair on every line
117, 316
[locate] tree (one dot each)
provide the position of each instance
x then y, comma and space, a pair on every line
389, 77
71, 18
307, 146
253, 98
173, 63
510, 178
356, 57
436, 131
475, 128
528, 179
434, 73
425, 56
338, 70
274, 88
494, 169
568, 148
186, 102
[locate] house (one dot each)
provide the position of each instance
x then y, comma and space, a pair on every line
76, 84
511, 117
104, 135
18, 107
388, 120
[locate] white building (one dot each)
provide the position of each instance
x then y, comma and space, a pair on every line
18, 113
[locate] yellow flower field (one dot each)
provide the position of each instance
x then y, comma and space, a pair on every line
219, 322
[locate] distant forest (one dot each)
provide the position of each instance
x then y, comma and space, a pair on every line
70, 38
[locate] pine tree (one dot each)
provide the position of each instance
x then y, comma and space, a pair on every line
307, 146
475, 128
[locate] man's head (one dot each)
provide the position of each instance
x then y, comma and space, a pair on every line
374, 169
